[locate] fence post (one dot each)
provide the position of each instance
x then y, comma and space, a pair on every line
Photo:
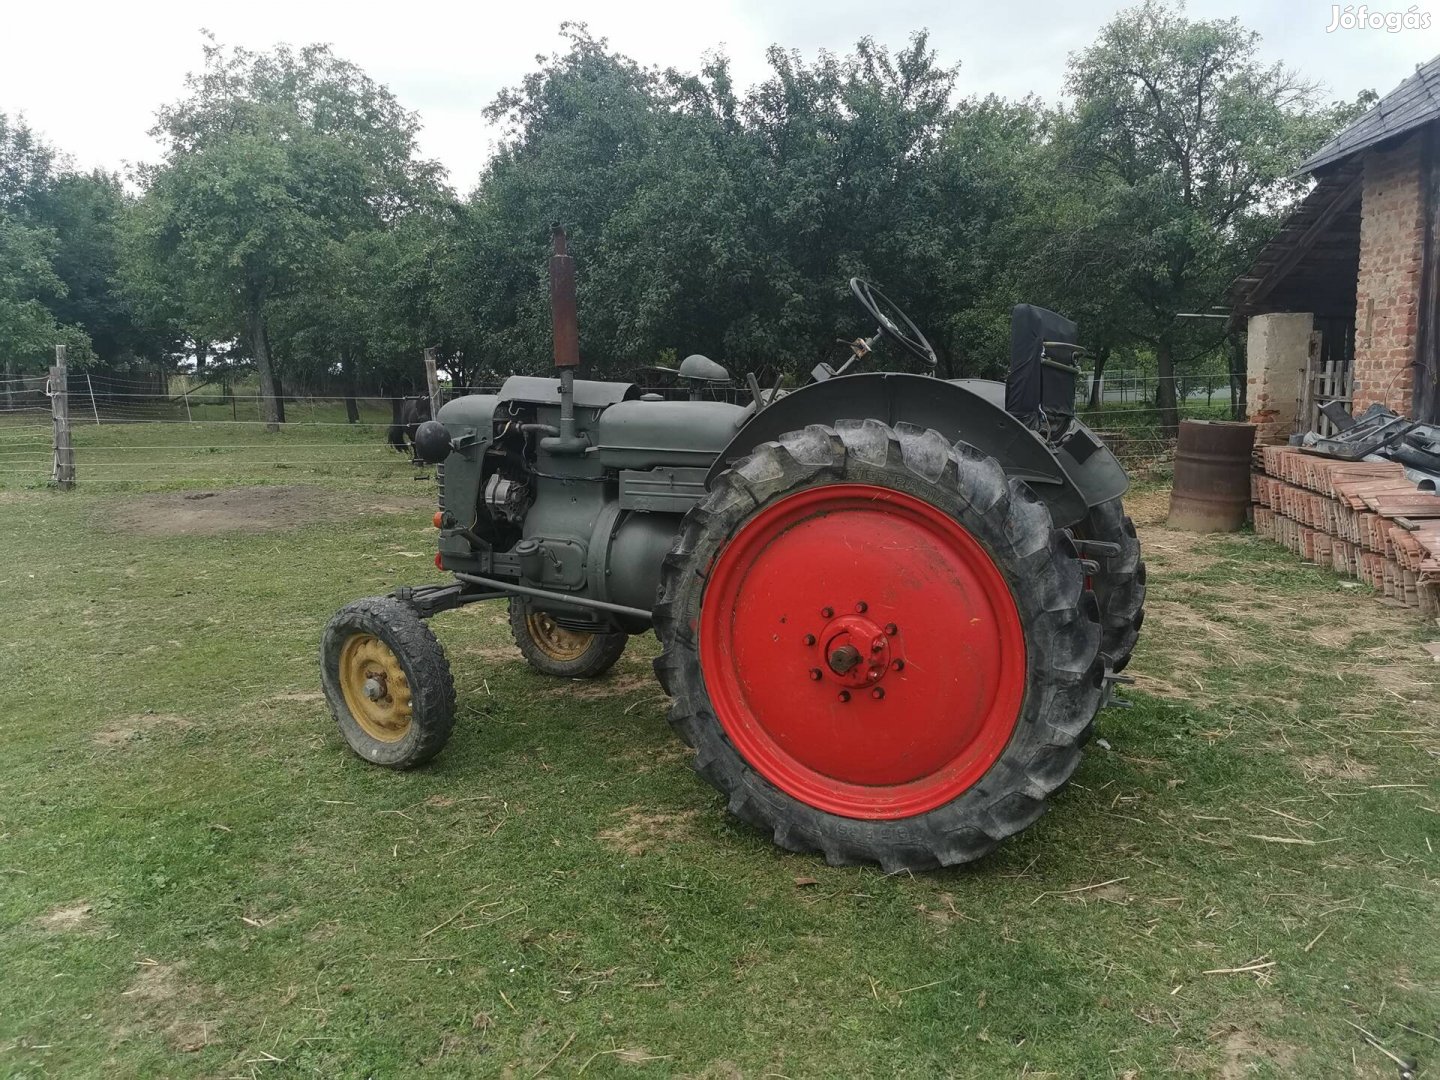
188, 417
434, 382
64, 471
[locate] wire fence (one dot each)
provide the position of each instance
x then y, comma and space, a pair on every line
133, 432
137, 431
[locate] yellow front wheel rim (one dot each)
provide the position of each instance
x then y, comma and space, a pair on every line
376, 690
554, 640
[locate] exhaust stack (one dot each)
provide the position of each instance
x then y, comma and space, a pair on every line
566, 329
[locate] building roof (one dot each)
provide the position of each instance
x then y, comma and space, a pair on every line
1414, 102
1312, 262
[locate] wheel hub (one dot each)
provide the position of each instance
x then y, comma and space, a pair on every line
554, 640
857, 650
375, 687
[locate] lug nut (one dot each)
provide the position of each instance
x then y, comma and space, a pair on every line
809, 639
891, 629
898, 665
878, 693
844, 696
815, 673
862, 607
827, 612
877, 645
873, 674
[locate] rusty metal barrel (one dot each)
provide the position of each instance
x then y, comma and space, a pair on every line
1212, 476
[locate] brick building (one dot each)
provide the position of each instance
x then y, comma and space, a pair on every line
1345, 301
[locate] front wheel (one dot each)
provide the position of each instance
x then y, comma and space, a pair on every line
879, 647
387, 682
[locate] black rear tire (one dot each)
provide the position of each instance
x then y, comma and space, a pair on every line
1040, 566
553, 650
416, 710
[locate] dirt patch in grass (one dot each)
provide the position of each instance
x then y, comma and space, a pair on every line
1191, 624
132, 728
1164, 688
1397, 674
243, 509
1243, 1051
642, 830
157, 1001
67, 919
1177, 552
1148, 506
154, 984
1336, 767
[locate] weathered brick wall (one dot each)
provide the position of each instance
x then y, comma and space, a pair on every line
1386, 303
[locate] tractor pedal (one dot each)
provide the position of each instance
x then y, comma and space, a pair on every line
1117, 702
1113, 677
1102, 548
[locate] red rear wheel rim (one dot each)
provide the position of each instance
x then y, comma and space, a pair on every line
862, 651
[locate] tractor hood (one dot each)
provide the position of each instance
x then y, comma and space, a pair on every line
642, 434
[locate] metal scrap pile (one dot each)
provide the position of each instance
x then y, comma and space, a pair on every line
1379, 434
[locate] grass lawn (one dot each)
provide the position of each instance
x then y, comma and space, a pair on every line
198, 879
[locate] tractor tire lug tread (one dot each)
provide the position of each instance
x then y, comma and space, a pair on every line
1120, 584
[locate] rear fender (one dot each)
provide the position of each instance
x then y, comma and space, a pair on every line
958, 412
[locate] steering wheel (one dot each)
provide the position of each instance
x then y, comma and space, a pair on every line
894, 323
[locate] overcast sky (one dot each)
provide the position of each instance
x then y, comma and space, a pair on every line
90, 75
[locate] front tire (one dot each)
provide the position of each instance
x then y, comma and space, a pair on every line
387, 682
978, 646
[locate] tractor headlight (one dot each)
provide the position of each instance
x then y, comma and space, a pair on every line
432, 442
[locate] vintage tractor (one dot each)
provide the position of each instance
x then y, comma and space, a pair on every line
889, 605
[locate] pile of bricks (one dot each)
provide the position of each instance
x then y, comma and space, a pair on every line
1361, 517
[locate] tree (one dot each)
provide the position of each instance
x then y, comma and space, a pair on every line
1178, 141
29, 285
270, 159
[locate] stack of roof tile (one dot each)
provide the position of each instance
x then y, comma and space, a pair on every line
1363, 518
